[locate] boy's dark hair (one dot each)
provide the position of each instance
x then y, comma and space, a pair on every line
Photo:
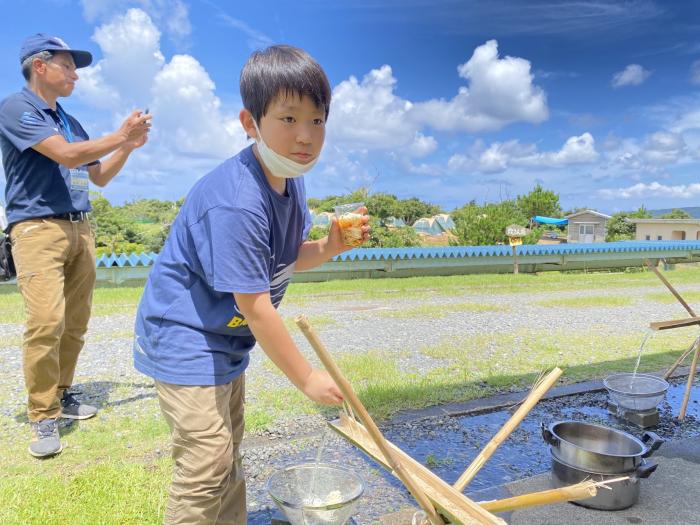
282, 68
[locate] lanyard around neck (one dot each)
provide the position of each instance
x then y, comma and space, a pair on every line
65, 124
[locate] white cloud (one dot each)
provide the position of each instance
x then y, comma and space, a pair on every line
172, 14
576, 150
650, 154
652, 190
500, 92
632, 75
664, 147
190, 130
500, 156
422, 145
368, 115
130, 44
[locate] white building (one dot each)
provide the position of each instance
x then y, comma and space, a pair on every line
667, 229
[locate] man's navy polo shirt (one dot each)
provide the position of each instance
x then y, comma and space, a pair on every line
36, 186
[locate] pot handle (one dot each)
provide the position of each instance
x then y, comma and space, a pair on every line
548, 436
644, 471
654, 442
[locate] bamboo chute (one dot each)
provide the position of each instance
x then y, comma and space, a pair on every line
583, 490
454, 505
449, 502
539, 390
579, 491
439, 500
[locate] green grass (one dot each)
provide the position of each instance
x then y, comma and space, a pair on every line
544, 282
107, 300
691, 297
108, 473
588, 301
436, 311
111, 472
112, 492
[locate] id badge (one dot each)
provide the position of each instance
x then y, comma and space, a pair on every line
79, 179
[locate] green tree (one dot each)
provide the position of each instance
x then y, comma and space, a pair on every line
383, 237
620, 228
410, 210
676, 213
484, 225
382, 205
539, 202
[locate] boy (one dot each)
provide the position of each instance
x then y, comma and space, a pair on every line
215, 287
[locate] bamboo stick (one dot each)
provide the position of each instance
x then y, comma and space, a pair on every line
670, 288
451, 503
506, 430
583, 490
675, 323
689, 385
680, 359
359, 409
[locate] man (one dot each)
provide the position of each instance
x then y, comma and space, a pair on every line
49, 161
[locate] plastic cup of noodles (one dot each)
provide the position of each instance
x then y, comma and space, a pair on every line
350, 222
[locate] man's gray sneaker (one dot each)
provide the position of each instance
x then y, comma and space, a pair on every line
71, 408
46, 442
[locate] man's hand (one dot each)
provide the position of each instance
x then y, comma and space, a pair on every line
320, 388
135, 127
137, 143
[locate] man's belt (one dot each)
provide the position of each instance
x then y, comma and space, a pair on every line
72, 216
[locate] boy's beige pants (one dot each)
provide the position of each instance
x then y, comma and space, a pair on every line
55, 261
206, 423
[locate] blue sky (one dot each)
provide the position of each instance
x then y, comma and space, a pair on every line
445, 100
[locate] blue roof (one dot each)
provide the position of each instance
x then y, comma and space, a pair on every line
369, 254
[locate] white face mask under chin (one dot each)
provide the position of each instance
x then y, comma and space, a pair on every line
277, 164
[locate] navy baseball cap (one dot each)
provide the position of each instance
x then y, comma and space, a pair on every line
43, 42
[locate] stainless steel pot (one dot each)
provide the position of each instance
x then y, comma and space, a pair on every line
597, 448
620, 495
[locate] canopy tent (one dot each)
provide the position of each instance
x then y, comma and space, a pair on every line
550, 220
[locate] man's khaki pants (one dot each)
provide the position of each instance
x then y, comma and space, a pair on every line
55, 261
206, 423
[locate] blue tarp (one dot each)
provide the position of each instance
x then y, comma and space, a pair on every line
550, 220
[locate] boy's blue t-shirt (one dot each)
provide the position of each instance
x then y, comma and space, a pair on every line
234, 233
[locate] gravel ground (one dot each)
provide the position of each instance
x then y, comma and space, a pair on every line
107, 378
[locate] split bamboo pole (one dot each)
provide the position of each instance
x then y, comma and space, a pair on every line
359, 409
535, 395
670, 287
449, 502
675, 323
689, 385
583, 490
579, 491
680, 359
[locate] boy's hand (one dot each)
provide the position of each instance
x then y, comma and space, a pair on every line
335, 235
320, 388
